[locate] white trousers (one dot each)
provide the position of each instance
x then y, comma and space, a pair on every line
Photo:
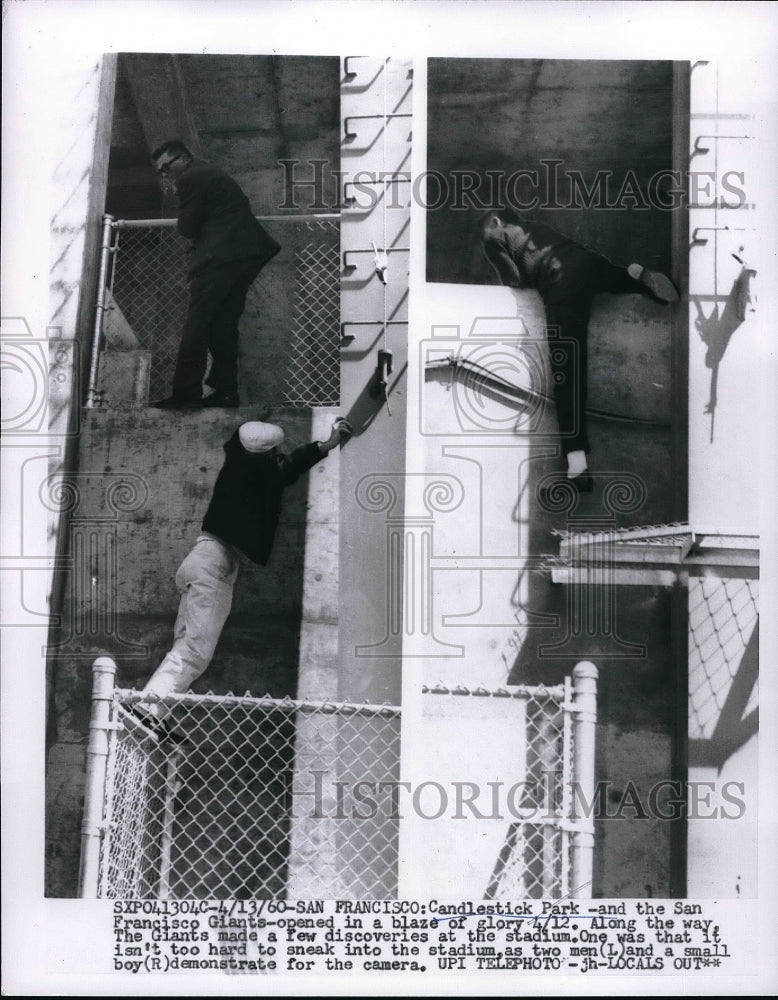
206, 579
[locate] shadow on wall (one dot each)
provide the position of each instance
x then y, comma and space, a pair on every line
372, 399
717, 328
734, 726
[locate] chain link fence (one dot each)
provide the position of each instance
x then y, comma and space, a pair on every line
535, 860
143, 302
238, 798
313, 377
723, 614
259, 798
547, 849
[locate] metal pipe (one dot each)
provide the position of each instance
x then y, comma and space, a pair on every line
171, 223
521, 393
584, 723
103, 676
97, 331
172, 787
130, 696
566, 789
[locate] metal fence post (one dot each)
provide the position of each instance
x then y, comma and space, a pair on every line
172, 787
97, 332
584, 723
103, 675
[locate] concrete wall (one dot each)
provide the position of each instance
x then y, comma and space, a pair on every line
730, 342
374, 318
80, 123
243, 112
548, 117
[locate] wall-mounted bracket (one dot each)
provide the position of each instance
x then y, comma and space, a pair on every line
350, 134
701, 241
699, 150
349, 268
346, 338
349, 201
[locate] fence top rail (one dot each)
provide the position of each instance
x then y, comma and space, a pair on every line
263, 703
512, 691
170, 223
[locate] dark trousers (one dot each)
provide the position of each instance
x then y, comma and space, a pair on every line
574, 276
217, 298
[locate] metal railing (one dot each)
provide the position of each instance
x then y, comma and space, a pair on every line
237, 797
242, 797
142, 301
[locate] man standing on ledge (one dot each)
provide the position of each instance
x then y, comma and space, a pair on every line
241, 519
568, 276
229, 248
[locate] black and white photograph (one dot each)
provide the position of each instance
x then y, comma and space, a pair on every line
204, 507
388, 446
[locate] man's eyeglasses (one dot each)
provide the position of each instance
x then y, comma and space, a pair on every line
166, 166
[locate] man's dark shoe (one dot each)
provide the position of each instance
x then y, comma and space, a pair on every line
161, 728
583, 483
176, 403
150, 722
227, 400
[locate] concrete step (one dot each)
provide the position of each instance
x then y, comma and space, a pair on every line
123, 379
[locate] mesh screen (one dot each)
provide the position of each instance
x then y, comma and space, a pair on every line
147, 278
722, 616
236, 798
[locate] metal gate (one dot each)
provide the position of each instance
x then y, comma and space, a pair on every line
244, 797
237, 798
548, 816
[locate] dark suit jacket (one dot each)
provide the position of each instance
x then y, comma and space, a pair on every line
246, 503
215, 214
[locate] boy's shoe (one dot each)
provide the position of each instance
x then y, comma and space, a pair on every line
658, 284
554, 493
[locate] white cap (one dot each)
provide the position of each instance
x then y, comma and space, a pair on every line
257, 437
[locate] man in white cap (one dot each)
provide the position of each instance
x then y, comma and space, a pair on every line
242, 518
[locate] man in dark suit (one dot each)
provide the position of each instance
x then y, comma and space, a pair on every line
568, 276
229, 248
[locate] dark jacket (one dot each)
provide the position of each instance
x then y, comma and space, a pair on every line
246, 502
525, 255
215, 214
